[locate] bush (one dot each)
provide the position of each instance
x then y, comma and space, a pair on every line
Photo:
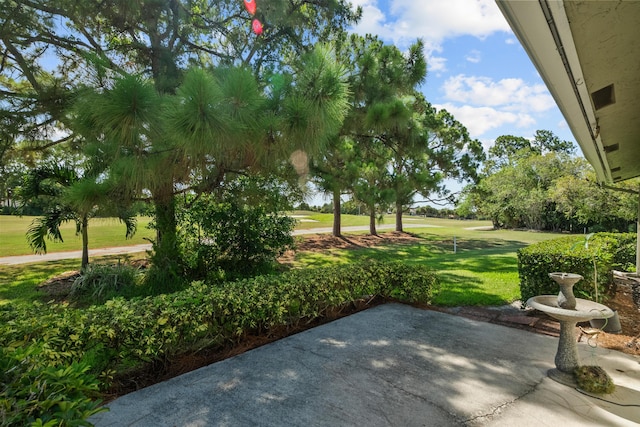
36, 391
570, 254
100, 282
122, 334
238, 239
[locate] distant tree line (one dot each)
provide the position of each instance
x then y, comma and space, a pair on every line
540, 184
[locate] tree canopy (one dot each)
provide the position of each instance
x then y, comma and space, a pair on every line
539, 184
102, 77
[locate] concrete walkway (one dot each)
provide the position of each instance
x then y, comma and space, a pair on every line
55, 256
392, 365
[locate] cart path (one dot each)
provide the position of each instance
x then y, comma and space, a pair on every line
56, 256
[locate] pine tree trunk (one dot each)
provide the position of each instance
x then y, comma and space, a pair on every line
85, 243
372, 222
166, 255
399, 217
337, 232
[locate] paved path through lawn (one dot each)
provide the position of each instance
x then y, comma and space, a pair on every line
55, 256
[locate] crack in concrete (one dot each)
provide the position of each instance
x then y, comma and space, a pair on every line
455, 418
483, 418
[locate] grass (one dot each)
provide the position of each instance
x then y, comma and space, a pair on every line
109, 232
18, 283
483, 271
103, 233
323, 220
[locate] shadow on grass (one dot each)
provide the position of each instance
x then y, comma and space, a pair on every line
19, 283
463, 244
482, 272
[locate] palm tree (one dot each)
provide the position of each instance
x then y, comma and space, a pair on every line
68, 196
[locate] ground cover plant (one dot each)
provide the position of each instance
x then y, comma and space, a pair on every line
81, 348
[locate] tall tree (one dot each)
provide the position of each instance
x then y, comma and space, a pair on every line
538, 184
373, 186
334, 171
219, 122
90, 44
509, 149
377, 75
49, 49
426, 147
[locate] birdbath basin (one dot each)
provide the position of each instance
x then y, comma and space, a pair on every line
562, 278
585, 310
566, 359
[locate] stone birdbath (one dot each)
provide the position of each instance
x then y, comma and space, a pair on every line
569, 311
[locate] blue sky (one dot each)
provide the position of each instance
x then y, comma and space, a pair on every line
476, 68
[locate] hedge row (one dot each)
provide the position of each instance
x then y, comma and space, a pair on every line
121, 334
575, 254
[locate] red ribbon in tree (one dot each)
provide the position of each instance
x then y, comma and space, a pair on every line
257, 27
250, 5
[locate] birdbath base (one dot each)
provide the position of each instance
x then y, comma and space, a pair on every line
566, 359
562, 377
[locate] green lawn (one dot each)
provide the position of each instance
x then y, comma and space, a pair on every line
18, 283
103, 233
483, 271
308, 219
109, 232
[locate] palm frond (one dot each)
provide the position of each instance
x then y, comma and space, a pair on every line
132, 226
45, 227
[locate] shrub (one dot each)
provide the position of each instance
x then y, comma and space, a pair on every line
238, 239
37, 392
570, 254
122, 334
100, 282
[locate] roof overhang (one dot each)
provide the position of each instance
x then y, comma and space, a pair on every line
588, 54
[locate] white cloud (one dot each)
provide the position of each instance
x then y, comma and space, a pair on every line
487, 143
474, 56
482, 104
436, 64
511, 94
479, 120
372, 21
433, 21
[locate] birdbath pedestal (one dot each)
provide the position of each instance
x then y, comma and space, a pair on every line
569, 311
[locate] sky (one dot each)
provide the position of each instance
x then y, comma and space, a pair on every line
476, 68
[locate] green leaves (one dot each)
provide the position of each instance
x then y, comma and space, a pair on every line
569, 254
241, 233
317, 101
41, 344
38, 392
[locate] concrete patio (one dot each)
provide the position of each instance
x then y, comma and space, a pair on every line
392, 365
